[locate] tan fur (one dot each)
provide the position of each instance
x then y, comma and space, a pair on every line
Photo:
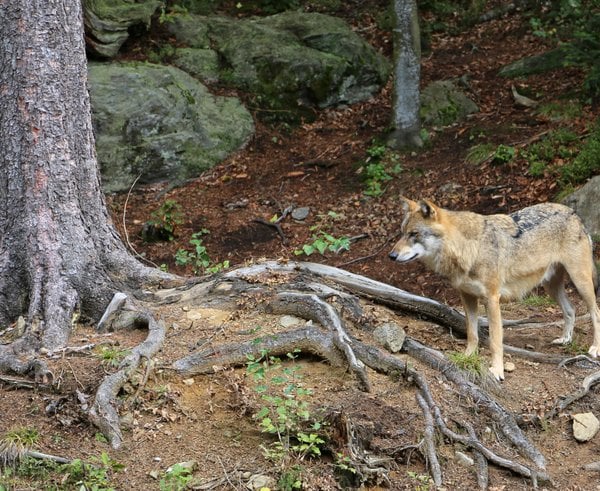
500, 257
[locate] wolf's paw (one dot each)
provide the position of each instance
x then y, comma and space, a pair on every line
594, 351
498, 373
562, 340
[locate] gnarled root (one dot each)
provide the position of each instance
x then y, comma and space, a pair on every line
104, 413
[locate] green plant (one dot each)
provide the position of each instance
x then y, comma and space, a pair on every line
323, 242
285, 411
587, 162
503, 154
472, 363
112, 356
574, 347
24, 437
423, 481
290, 479
560, 111
176, 478
479, 153
94, 475
538, 301
168, 14
199, 258
163, 222
377, 169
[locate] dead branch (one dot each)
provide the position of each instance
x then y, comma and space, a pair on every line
566, 401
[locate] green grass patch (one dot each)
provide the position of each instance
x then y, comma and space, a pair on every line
473, 364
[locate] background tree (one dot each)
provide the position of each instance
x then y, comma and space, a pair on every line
407, 76
60, 255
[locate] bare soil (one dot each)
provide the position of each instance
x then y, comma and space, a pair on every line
208, 418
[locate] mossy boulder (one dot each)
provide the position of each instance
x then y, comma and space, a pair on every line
444, 103
292, 62
545, 62
160, 123
107, 22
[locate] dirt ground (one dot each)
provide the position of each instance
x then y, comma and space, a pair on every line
207, 419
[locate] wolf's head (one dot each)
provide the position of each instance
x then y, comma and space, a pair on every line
421, 232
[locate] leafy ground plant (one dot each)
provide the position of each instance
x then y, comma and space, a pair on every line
29, 473
285, 412
378, 169
176, 478
323, 242
198, 258
163, 222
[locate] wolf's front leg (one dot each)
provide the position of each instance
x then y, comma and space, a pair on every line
496, 335
470, 304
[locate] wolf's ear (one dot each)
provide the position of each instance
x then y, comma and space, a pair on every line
408, 204
428, 209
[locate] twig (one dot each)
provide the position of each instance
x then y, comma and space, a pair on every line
126, 233
369, 256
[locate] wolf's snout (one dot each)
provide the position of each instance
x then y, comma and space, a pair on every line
393, 255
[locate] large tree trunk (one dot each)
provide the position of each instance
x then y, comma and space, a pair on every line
59, 253
407, 76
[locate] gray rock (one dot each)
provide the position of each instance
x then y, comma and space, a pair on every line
585, 203
290, 320
390, 335
585, 426
260, 481
443, 103
300, 213
545, 62
160, 123
293, 60
107, 22
464, 459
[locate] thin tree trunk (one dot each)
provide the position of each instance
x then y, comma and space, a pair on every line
407, 76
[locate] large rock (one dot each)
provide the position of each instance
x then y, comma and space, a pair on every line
545, 62
107, 22
585, 203
160, 123
443, 103
292, 61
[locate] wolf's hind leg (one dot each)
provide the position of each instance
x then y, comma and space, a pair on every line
554, 283
581, 275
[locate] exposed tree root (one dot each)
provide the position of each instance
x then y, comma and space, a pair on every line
390, 296
332, 342
566, 401
103, 412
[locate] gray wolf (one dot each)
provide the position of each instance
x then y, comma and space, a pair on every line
500, 257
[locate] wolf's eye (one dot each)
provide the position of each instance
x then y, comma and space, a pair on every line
412, 235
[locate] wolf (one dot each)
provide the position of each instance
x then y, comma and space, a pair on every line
501, 257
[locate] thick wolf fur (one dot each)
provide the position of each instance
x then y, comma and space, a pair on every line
501, 257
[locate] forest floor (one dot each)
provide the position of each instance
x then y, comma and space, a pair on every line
318, 165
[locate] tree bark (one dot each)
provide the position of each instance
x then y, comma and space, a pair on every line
59, 252
407, 76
